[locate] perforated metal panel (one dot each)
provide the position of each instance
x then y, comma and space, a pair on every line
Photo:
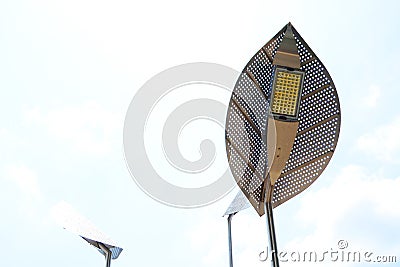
246, 125
239, 203
74, 222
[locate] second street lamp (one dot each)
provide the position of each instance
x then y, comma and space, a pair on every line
72, 221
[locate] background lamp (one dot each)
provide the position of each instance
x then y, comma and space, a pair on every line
67, 217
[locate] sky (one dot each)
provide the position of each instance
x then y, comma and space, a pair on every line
69, 70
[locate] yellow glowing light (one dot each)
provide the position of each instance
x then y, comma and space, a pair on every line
286, 92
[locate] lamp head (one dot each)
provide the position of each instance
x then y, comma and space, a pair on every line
286, 94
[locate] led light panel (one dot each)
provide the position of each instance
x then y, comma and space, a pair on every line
286, 92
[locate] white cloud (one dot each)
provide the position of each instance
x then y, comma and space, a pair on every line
383, 142
3, 132
26, 180
23, 187
88, 127
372, 96
9, 141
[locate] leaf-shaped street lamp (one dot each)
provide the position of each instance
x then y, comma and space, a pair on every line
282, 124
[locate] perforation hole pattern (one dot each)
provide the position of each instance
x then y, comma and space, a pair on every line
252, 100
315, 76
246, 140
247, 180
262, 70
318, 107
295, 182
312, 144
273, 44
303, 51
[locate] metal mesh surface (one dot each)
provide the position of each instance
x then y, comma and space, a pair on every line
246, 125
71, 220
239, 203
